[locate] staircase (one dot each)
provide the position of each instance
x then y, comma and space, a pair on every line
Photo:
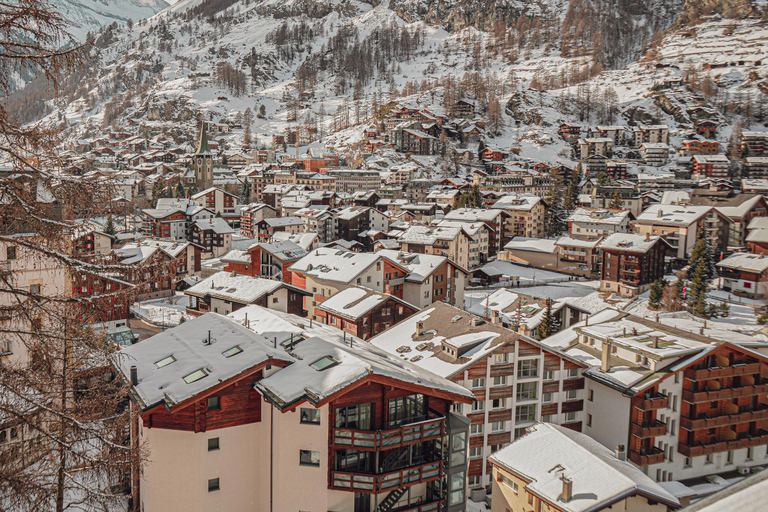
394, 459
391, 500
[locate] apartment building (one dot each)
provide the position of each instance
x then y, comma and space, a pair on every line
578, 256
653, 134
527, 213
234, 418
515, 380
593, 224
680, 227
615, 133
552, 467
594, 146
268, 260
631, 263
655, 153
251, 215
699, 147
173, 218
466, 244
754, 143
685, 405
326, 271
352, 180
221, 202
496, 221
756, 167
213, 235
431, 278
742, 209
266, 228
349, 223
710, 166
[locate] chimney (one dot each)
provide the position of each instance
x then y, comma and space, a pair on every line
586, 320
655, 342
660, 213
647, 237
419, 328
495, 317
621, 454
567, 488
134, 376
234, 273
605, 357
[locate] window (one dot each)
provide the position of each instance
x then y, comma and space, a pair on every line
499, 358
354, 417
497, 426
408, 409
546, 418
213, 444
687, 462
474, 481
165, 361
547, 398
309, 458
324, 363
478, 383
729, 458
195, 376
589, 420
570, 416
34, 289
525, 413
527, 368
591, 395
572, 373
458, 448
213, 484
476, 428
498, 403
526, 391
232, 351
10, 253
571, 394
214, 403
476, 453
478, 405
508, 482
458, 482
499, 381
311, 416
708, 459
750, 452
549, 376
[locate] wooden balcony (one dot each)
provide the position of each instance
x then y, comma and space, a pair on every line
375, 440
723, 420
654, 456
722, 371
385, 482
657, 428
426, 506
723, 446
651, 403
720, 394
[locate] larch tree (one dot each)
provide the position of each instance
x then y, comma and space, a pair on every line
69, 444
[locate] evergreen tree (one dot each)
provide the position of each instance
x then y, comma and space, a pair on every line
657, 293
569, 203
179, 190
616, 203
480, 149
262, 111
702, 250
697, 300
547, 326
110, 227
555, 221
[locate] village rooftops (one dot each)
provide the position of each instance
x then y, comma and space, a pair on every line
420, 266
517, 202
630, 242
566, 241
216, 224
336, 265
711, 159
672, 214
521, 243
355, 302
285, 250
549, 453
180, 363
745, 262
241, 289
599, 216
284, 221
473, 215
303, 240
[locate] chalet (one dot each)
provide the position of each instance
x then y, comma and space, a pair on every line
699, 147
492, 154
496, 220
213, 235
706, 128
631, 263
653, 134
680, 227
411, 140
173, 218
221, 202
251, 215
464, 108
745, 275
231, 394
569, 132
527, 213
266, 228
268, 260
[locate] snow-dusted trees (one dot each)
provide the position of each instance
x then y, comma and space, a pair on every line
233, 79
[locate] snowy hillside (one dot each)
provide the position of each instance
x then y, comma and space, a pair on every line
89, 15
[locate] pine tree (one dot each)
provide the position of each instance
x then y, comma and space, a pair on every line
616, 203
702, 250
657, 293
179, 190
697, 301
546, 327
110, 227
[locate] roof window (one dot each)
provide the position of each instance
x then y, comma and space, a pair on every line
195, 376
232, 351
165, 361
324, 363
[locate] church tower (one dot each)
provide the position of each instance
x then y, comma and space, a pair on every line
203, 162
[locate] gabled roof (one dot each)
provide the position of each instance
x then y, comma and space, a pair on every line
547, 453
355, 302
240, 289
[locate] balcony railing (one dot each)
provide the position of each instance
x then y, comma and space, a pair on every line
651, 403
432, 505
644, 431
392, 438
723, 446
722, 371
375, 484
720, 394
722, 420
646, 458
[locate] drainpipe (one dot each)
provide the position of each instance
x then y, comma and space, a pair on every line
271, 455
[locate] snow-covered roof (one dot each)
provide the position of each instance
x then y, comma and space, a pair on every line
746, 262
629, 242
473, 214
215, 224
758, 235
672, 214
237, 256
303, 240
420, 266
335, 264
240, 288
518, 202
168, 363
521, 243
354, 302
741, 210
284, 221
547, 453
598, 216
567, 241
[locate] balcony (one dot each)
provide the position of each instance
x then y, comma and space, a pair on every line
723, 446
720, 394
646, 430
651, 403
433, 505
723, 420
722, 371
645, 458
384, 482
368, 440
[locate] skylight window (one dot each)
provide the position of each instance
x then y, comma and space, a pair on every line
232, 351
195, 376
324, 363
165, 361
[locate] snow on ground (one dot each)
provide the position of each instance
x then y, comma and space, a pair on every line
165, 312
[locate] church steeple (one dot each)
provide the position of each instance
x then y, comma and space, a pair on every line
202, 145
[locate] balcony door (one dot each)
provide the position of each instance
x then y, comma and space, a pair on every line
408, 409
355, 417
362, 502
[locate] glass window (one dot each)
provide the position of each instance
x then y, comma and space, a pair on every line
309, 458
520, 431
232, 351
214, 403
195, 376
213, 444
571, 394
478, 405
165, 361
527, 368
354, 417
547, 398
549, 376
478, 383
525, 413
324, 363
475, 453
310, 416
355, 461
213, 484
476, 428
458, 448
500, 381
497, 426
572, 373
499, 358
570, 416
408, 409
526, 390
498, 403
546, 418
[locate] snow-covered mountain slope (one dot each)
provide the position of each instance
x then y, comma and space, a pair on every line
86, 16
